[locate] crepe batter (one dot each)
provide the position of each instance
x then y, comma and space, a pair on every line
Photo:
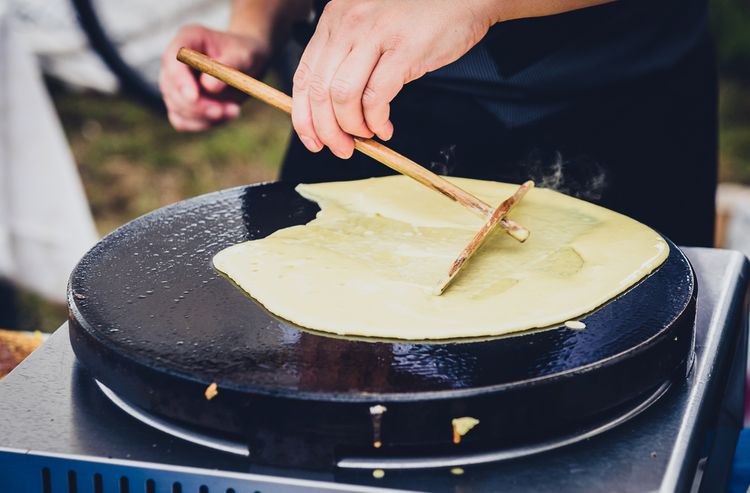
368, 264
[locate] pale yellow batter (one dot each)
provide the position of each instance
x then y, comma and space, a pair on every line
367, 265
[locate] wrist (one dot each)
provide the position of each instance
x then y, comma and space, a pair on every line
487, 12
259, 28
268, 22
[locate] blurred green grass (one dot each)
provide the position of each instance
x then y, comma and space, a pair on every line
132, 161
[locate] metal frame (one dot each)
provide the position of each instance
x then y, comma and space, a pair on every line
501, 455
385, 463
181, 432
62, 473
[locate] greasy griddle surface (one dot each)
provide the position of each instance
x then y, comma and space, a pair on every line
149, 294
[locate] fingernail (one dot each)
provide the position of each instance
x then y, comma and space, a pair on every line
388, 132
309, 143
232, 111
343, 152
211, 84
214, 112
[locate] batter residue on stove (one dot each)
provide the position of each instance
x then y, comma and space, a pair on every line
368, 263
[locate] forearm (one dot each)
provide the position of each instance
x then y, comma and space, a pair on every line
504, 10
267, 19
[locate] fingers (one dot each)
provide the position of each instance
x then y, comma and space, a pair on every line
186, 125
301, 114
211, 84
386, 81
201, 115
347, 87
176, 80
195, 112
344, 88
324, 119
189, 108
327, 93
224, 53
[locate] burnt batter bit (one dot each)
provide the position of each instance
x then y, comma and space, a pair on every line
211, 391
376, 414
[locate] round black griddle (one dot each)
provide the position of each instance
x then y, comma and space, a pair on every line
152, 320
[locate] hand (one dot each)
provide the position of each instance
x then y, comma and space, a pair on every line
197, 103
362, 54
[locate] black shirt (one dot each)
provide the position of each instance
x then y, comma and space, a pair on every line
527, 69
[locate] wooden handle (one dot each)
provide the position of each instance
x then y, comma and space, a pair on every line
236, 79
374, 149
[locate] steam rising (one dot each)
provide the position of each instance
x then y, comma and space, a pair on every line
447, 163
578, 176
581, 177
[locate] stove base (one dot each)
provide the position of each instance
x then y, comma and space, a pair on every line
58, 430
237, 447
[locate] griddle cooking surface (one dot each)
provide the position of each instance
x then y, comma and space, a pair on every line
153, 320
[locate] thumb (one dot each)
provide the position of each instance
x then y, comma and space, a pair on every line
211, 84
227, 49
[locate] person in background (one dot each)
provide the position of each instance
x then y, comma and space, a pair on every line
8, 314
613, 102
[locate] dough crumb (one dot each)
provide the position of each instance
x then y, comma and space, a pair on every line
378, 409
462, 426
378, 473
211, 391
457, 471
575, 324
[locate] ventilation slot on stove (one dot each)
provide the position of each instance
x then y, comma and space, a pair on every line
46, 481
76, 484
105, 480
98, 484
72, 482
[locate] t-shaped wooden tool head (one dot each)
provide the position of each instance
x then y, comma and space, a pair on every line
484, 232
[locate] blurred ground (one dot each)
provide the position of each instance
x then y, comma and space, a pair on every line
734, 131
